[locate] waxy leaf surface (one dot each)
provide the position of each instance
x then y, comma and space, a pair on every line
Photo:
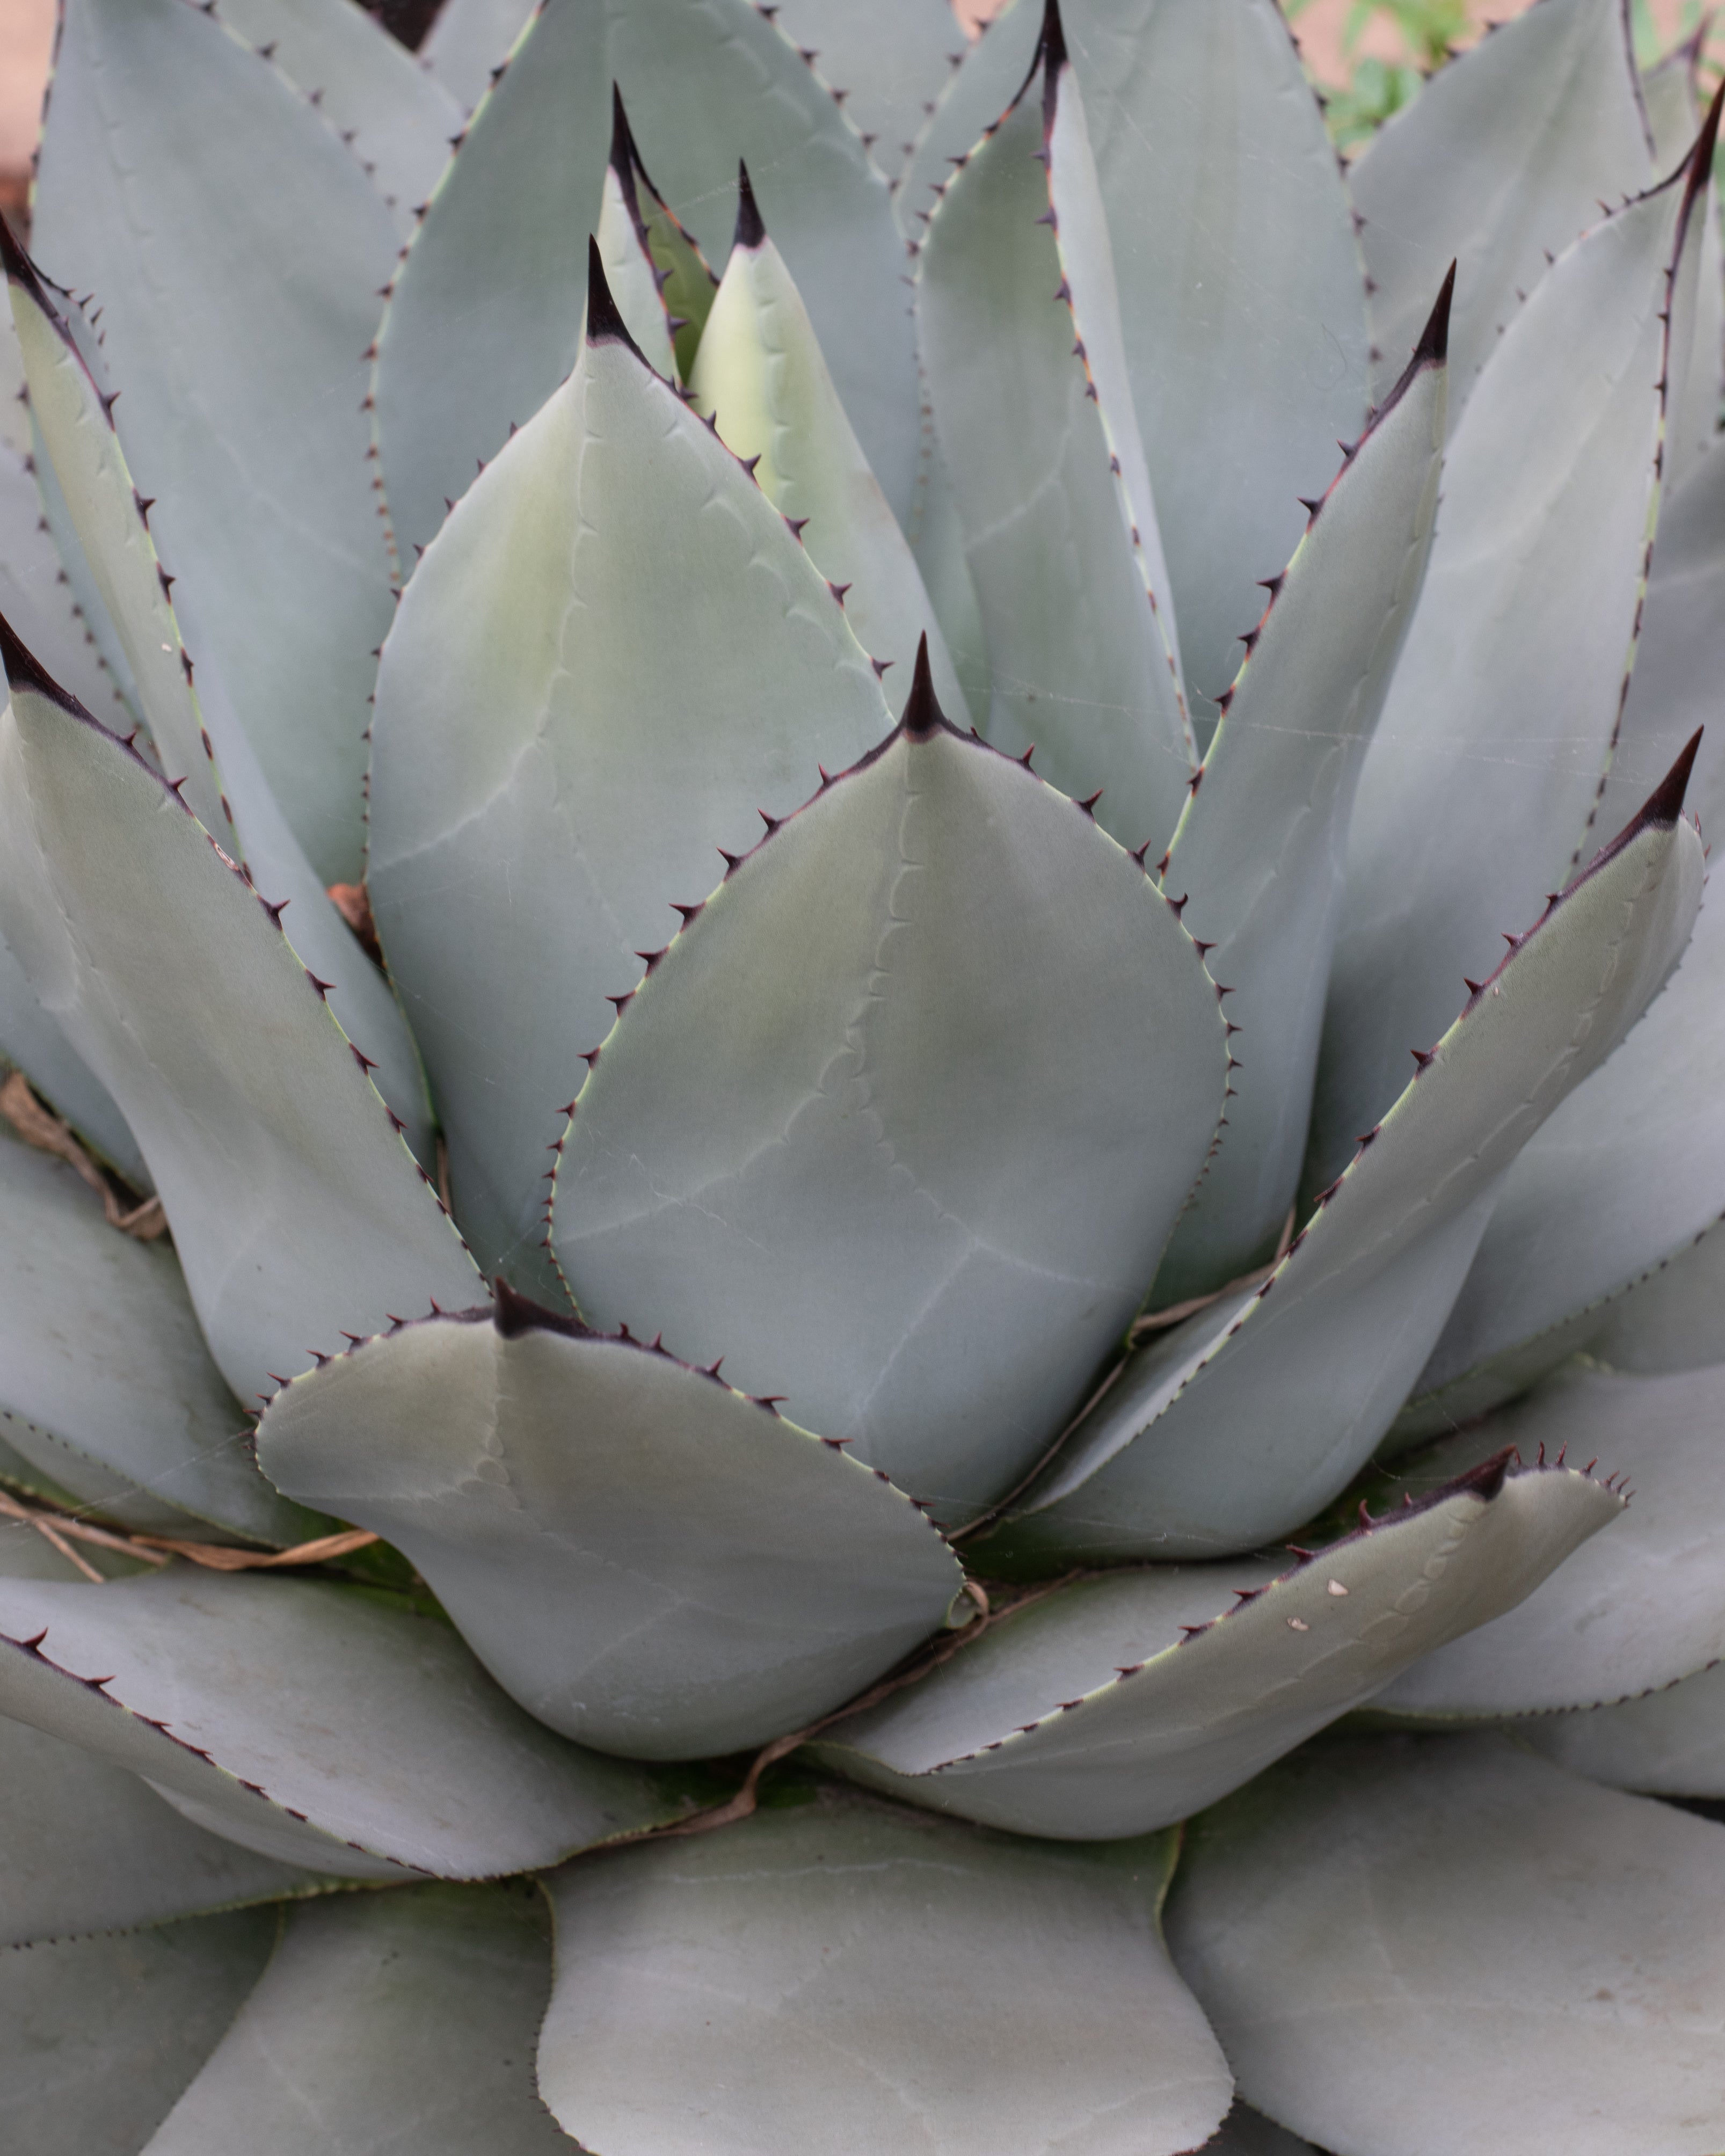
909, 1172
1258, 854
1229, 1432
468, 39
1670, 1743
385, 2021
890, 64
1482, 789
312, 1724
839, 1975
1411, 1946
646, 1559
615, 657
297, 1213
1127, 1702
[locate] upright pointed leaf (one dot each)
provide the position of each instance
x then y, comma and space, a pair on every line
404, 2017
105, 1381
613, 657
1410, 1946
312, 1723
469, 38
1484, 779
867, 1132
1242, 302
1129, 1700
709, 81
98, 2036
646, 1559
1243, 1424
85, 1846
236, 249
1502, 160
733, 1996
484, 316
1642, 1607
625, 249
393, 114
1259, 851
988, 78
761, 379
297, 1212
1674, 119
1060, 530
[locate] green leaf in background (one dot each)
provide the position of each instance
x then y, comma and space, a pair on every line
614, 660
925, 1059
156, 1003
1544, 113
1125, 1702
1487, 1950
236, 248
1060, 530
315, 1724
725, 1996
382, 2016
1183, 1457
1481, 790
761, 380
646, 1559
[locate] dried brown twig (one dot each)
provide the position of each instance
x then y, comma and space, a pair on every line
63, 1529
39, 1126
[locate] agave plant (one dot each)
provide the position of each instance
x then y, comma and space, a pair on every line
731, 1318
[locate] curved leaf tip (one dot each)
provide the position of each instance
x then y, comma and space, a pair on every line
923, 717
24, 671
604, 322
20, 269
1698, 165
751, 232
514, 1315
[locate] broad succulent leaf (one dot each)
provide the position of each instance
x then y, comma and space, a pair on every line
986, 80
1244, 310
31, 1042
887, 64
1125, 1702
395, 115
686, 283
1235, 1429
926, 1059
407, 2018
316, 1724
468, 39
88, 1847
105, 1383
1670, 1743
1482, 786
237, 248
613, 661
647, 1560
727, 1996
761, 380
100, 2034
1258, 854
1060, 529
297, 1211
482, 319
1642, 1607
1670, 1319
1545, 115
107, 535
1409, 1945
